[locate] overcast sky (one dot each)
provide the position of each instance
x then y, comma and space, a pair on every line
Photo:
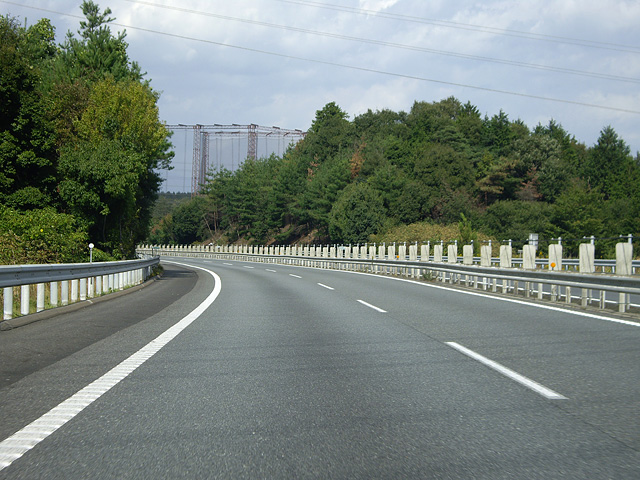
276, 62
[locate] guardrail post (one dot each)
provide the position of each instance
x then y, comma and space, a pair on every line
555, 264
7, 293
587, 265
413, 257
53, 294
24, 299
528, 263
506, 257
452, 257
74, 290
64, 292
39, 297
391, 254
83, 289
424, 254
624, 258
485, 261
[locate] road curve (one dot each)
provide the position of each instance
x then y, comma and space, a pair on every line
302, 373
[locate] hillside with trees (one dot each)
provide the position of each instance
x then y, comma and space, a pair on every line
440, 164
80, 143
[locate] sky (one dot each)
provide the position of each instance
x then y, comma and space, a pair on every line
277, 62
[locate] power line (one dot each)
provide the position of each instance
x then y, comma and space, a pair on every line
468, 26
395, 45
351, 67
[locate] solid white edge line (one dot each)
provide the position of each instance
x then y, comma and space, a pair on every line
521, 379
326, 286
372, 306
29, 436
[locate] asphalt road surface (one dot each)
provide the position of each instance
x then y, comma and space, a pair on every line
263, 371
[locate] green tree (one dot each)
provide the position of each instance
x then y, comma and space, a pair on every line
27, 154
96, 53
609, 165
357, 213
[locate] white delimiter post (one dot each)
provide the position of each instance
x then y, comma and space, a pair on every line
452, 257
587, 265
413, 257
506, 256
437, 253
7, 293
485, 261
24, 299
528, 263
624, 258
555, 264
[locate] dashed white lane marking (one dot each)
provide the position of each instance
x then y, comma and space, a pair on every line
295, 276
248, 266
225, 263
24, 440
269, 270
521, 379
326, 286
377, 309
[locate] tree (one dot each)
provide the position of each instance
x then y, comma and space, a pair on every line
357, 213
609, 165
97, 53
27, 154
330, 132
119, 134
100, 183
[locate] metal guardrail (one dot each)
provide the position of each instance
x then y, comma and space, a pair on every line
85, 279
592, 288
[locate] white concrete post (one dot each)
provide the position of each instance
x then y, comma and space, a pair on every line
24, 299
74, 290
555, 264
485, 256
391, 253
437, 253
64, 292
83, 289
467, 254
452, 257
587, 265
529, 257
413, 257
7, 293
53, 294
424, 253
624, 258
40, 297
452, 253
506, 257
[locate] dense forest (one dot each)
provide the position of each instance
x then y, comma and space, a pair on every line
80, 143
396, 176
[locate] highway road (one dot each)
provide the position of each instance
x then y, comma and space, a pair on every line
239, 370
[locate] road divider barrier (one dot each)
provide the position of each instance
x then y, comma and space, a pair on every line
63, 284
603, 284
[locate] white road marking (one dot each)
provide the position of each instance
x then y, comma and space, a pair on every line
28, 437
248, 266
269, 270
326, 286
378, 309
295, 276
224, 263
521, 379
